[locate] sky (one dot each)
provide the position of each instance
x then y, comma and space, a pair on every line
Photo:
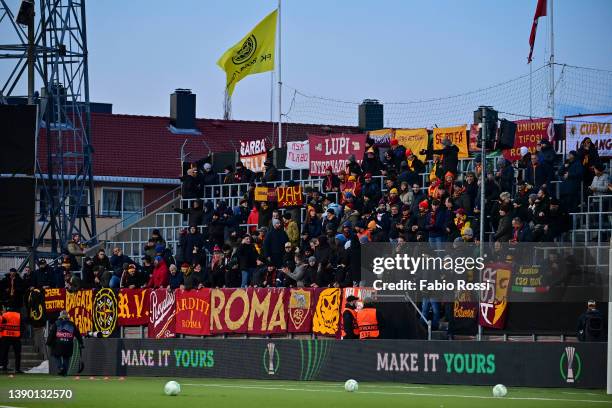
391, 50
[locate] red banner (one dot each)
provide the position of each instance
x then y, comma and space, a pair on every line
134, 307
494, 301
300, 309
334, 150
55, 299
193, 311
326, 320
253, 311
528, 133
162, 314
79, 306
289, 196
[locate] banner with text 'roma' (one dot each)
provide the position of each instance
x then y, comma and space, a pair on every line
193, 311
253, 311
333, 151
134, 307
458, 134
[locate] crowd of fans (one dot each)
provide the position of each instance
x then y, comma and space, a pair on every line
279, 248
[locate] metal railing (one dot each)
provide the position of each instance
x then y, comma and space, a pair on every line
131, 219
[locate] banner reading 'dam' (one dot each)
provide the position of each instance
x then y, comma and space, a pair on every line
457, 134
79, 306
162, 314
298, 155
596, 127
528, 133
134, 307
326, 320
193, 312
253, 155
493, 301
289, 196
413, 139
252, 311
334, 150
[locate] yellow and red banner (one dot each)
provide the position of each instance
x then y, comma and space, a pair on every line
494, 301
413, 139
289, 196
79, 306
458, 134
193, 311
134, 307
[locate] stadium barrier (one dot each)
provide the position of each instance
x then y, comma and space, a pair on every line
568, 365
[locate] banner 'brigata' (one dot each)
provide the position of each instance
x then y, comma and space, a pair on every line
334, 151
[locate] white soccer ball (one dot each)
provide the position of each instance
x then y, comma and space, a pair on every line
351, 385
500, 390
172, 388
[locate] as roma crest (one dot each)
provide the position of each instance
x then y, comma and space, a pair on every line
299, 307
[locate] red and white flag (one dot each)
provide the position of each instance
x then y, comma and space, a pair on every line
540, 12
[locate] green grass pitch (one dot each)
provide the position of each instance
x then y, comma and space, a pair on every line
207, 392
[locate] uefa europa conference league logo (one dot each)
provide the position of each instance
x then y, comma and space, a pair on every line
271, 359
570, 365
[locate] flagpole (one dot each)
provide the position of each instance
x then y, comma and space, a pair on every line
280, 82
552, 63
272, 98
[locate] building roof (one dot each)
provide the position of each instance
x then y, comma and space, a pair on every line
145, 147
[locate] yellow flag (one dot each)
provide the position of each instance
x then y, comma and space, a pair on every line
251, 55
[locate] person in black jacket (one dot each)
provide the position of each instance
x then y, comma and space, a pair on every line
274, 243
247, 260
450, 156
45, 277
12, 289
191, 184
61, 338
193, 245
349, 319
242, 174
270, 172
195, 213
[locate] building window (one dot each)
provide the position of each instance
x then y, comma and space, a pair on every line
121, 202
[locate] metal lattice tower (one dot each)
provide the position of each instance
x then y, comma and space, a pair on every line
64, 171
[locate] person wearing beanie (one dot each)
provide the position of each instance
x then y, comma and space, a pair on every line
398, 152
449, 153
414, 163
61, 337
291, 228
371, 163
572, 175
274, 243
331, 182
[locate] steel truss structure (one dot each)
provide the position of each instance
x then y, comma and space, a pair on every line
55, 42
